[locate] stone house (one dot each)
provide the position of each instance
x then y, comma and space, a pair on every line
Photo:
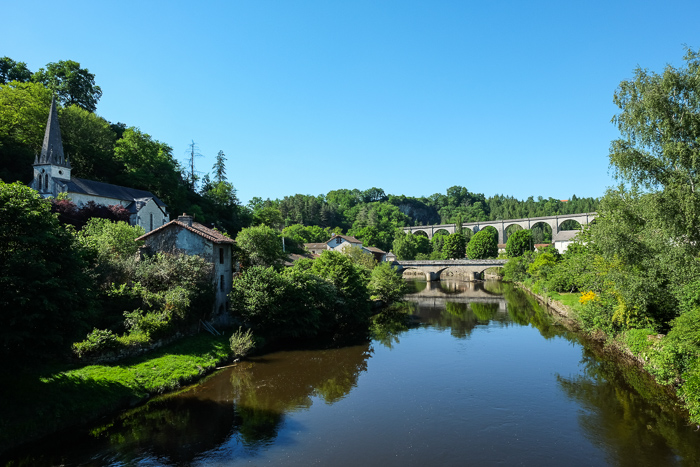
52, 176
183, 235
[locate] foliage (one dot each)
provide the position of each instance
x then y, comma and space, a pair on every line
241, 343
11, 70
407, 245
274, 304
72, 84
308, 234
351, 282
658, 151
516, 269
360, 257
261, 246
483, 245
386, 284
98, 342
24, 110
518, 243
454, 246
43, 278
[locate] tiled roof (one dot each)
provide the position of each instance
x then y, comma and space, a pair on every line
347, 238
315, 245
107, 190
197, 228
374, 249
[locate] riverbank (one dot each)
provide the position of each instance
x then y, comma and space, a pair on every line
43, 400
666, 396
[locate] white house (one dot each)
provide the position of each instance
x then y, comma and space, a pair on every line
52, 176
341, 242
183, 235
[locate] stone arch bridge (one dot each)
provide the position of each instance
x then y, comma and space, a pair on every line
555, 222
468, 269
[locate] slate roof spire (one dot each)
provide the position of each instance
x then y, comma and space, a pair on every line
52, 149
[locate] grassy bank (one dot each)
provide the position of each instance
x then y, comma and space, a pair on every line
39, 401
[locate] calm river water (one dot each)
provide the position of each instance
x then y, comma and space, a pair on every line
483, 377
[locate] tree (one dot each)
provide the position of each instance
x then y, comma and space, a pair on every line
24, 110
659, 151
518, 243
454, 246
220, 167
46, 291
261, 245
386, 284
406, 245
88, 140
72, 84
482, 245
13, 71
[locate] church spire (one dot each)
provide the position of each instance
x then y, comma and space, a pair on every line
52, 149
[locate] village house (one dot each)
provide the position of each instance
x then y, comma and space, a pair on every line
183, 235
340, 242
52, 176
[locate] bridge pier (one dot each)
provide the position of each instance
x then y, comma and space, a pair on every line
431, 276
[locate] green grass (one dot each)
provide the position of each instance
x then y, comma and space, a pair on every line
40, 401
568, 299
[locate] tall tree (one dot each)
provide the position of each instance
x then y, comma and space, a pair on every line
659, 151
220, 167
72, 84
13, 71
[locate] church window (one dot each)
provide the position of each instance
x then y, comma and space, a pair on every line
221, 255
46, 182
40, 182
221, 282
151, 223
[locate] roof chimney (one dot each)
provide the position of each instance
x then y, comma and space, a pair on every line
185, 219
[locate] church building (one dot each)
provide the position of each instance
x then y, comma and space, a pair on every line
52, 176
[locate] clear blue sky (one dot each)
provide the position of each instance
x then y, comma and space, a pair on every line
510, 97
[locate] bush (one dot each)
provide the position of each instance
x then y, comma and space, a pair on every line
482, 245
241, 343
97, 342
386, 284
153, 324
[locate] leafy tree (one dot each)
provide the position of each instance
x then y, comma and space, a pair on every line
308, 234
659, 121
350, 280
46, 291
406, 245
149, 165
386, 284
24, 110
13, 71
261, 245
72, 84
269, 216
518, 243
482, 245
454, 246
88, 140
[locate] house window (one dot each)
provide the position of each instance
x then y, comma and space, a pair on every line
338, 240
221, 255
221, 282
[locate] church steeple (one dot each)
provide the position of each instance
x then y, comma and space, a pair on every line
52, 149
51, 168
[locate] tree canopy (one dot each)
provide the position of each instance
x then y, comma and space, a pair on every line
71, 83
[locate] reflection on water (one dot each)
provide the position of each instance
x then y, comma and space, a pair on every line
481, 362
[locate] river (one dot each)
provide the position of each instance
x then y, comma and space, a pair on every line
484, 376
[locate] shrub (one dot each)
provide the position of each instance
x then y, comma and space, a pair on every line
241, 343
386, 284
97, 342
154, 324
